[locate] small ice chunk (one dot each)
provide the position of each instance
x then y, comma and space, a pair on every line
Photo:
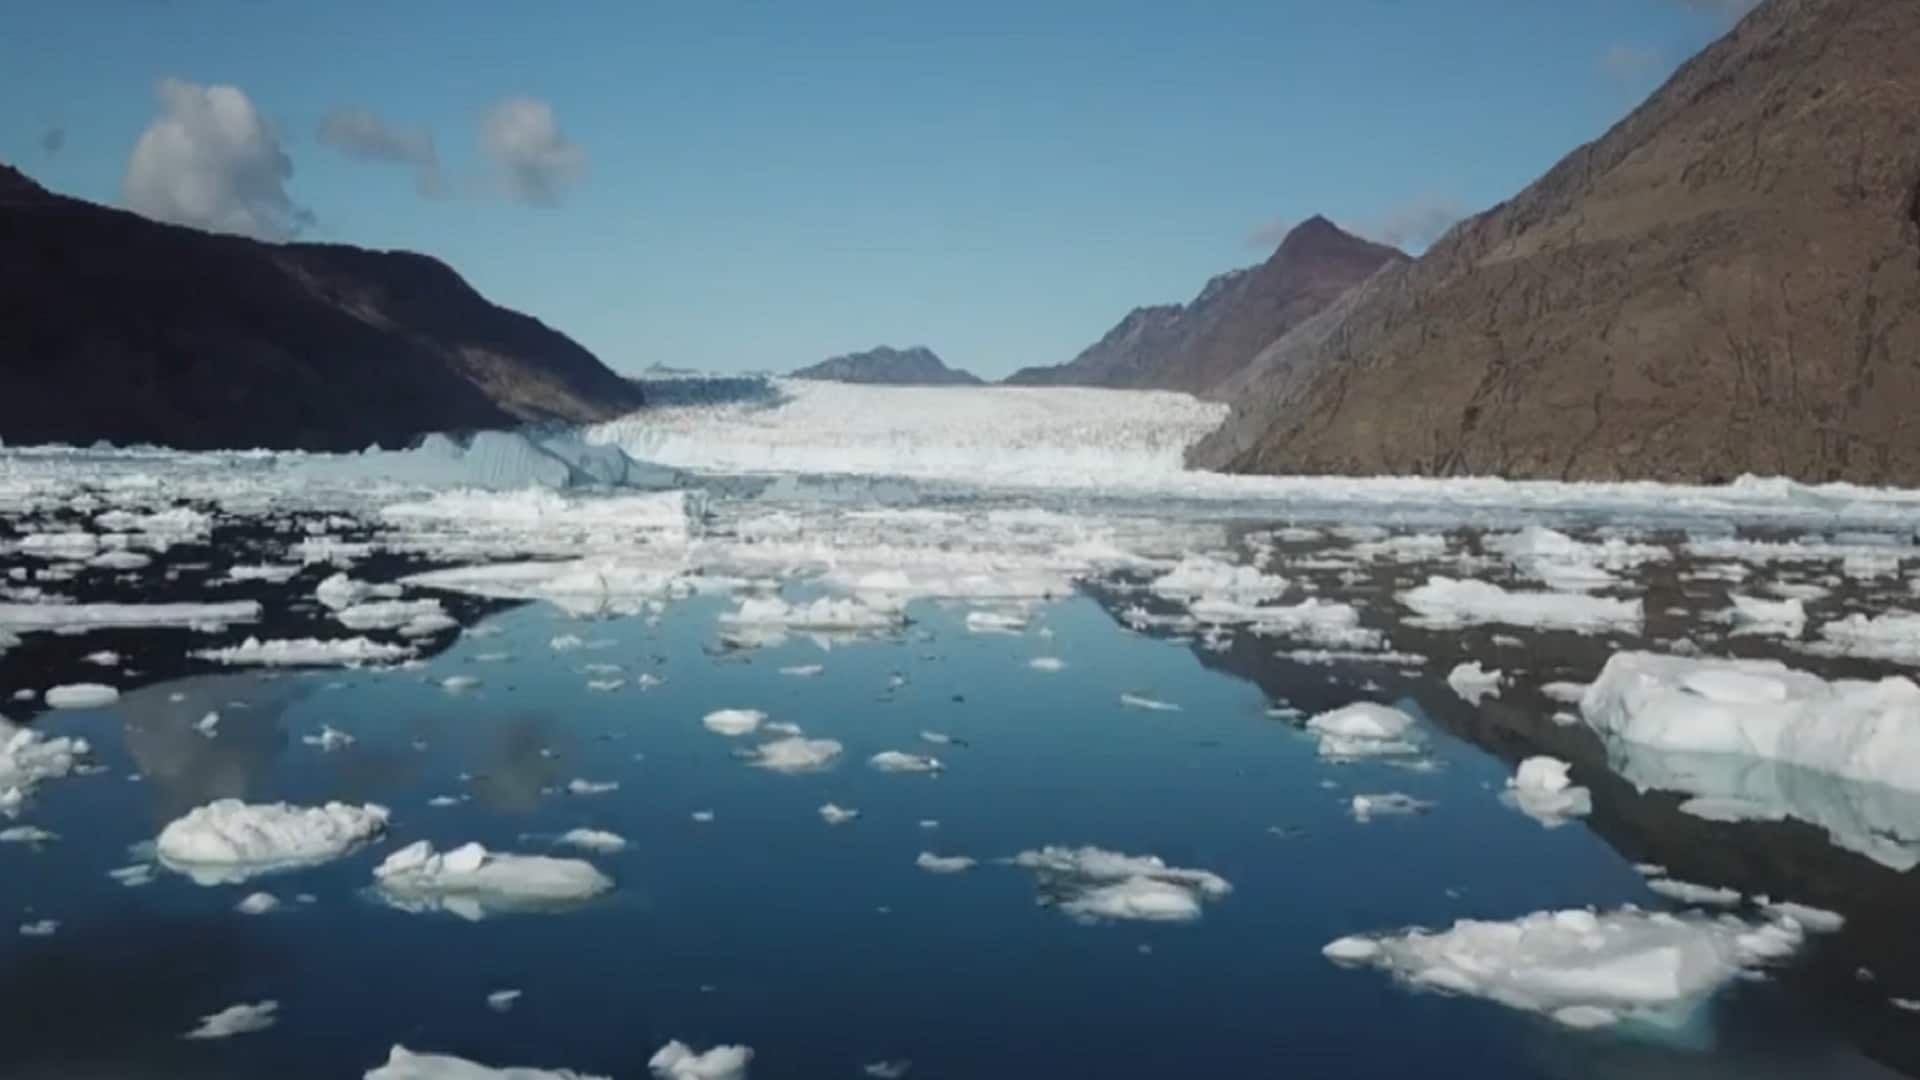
702, 817
900, 761
1365, 729
40, 928
471, 882
1566, 693
455, 684
208, 725
1813, 919
1474, 683
236, 1020
891, 1069
803, 671
306, 652
102, 658
329, 739
26, 834
733, 723
678, 1061
1047, 663
1092, 884
1365, 808
134, 876
1769, 618
565, 642
258, 903
1141, 701
595, 840
937, 738
944, 864
228, 841
995, 622
1692, 895
1540, 789
794, 754
1446, 603
502, 1000
81, 696
581, 786
603, 686
834, 814
404, 1064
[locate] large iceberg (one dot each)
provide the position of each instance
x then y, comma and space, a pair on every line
228, 841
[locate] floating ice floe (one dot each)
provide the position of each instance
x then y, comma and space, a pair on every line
502, 1000
733, 722
794, 754
803, 671
134, 876
1753, 615
1474, 683
1812, 919
28, 757
1093, 884
456, 684
1868, 731
1564, 564
1323, 622
1583, 969
1692, 895
328, 739
1893, 637
1541, 789
768, 618
1047, 663
40, 928
582, 786
471, 882
1197, 577
944, 864
234, 1020
892, 1069
837, 815
307, 652
271, 573
1567, 693
605, 686
26, 834
1149, 704
1365, 730
259, 903
68, 618
995, 622
1365, 808
1447, 603
678, 1061
598, 841
901, 761
228, 841
587, 588
80, 696
404, 1064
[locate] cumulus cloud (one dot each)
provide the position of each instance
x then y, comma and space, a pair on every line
363, 136
53, 140
210, 160
1416, 224
533, 161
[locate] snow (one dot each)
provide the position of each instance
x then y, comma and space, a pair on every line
234, 1020
944, 864
898, 761
678, 1061
1365, 730
1447, 603
80, 696
1474, 683
834, 814
228, 841
598, 841
1582, 968
1692, 895
1093, 884
1540, 788
733, 722
78, 617
471, 882
1865, 731
306, 652
794, 754
404, 1064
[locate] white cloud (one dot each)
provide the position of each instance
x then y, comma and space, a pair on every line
211, 161
1416, 224
534, 162
363, 136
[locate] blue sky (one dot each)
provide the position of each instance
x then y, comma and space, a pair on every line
743, 186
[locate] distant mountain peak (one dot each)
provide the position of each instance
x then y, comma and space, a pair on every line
915, 365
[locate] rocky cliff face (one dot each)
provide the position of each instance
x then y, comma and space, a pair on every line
916, 366
1198, 346
119, 328
1726, 282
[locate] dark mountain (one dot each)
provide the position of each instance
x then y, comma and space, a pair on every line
1199, 346
1726, 282
116, 327
916, 366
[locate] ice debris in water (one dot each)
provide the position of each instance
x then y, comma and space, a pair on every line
678, 1061
1365, 808
134, 876
1581, 968
502, 1000
1866, 731
28, 757
595, 840
1141, 701
236, 1020
1540, 789
1365, 730
328, 739
455, 684
1473, 682
891, 1069
582, 786
794, 754
943, 864
1198, 576
306, 652
40, 928
1893, 637
259, 903
76, 617
404, 1064
1093, 884
995, 622
26, 834
228, 841
901, 761
733, 722
1769, 618
1446, 603
81, 696
1047, 663
1692, 895
471, 882
833, 814
803, 671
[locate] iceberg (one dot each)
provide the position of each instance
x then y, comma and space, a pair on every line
1447, 603
234, 1020
1365, 730
471, 882
404, 1064
80, 696
28, 757
794, 754
1541, 789
306, 652
76, 617
1091, 884
228, 841
678, 1061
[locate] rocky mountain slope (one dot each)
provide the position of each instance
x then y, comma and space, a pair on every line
1198, 346
915, 366
116, 327
1726, 282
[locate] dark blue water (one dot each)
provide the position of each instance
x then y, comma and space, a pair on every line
821, 947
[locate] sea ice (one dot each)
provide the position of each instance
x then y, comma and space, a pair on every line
1474, 683
1365, 808
944, 864
1766, 618
81, 696
1692, 895
236, 1020
794, 754
733, 722
598, 841
228, 841
472, 882
678, 1061
1093, 884
259, 903
29, 756
1446, 603
79, 617
1141, 701
502, 1000
1197, 577
900, 761
1893, 637
837, 815
40, 928
582, 786
1365, 730
404, 1064
307, 652
1047, 663
1541, 790
328, 739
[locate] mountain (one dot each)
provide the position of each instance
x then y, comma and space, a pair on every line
116, 327
1198, 346
1728, 281
916, 366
